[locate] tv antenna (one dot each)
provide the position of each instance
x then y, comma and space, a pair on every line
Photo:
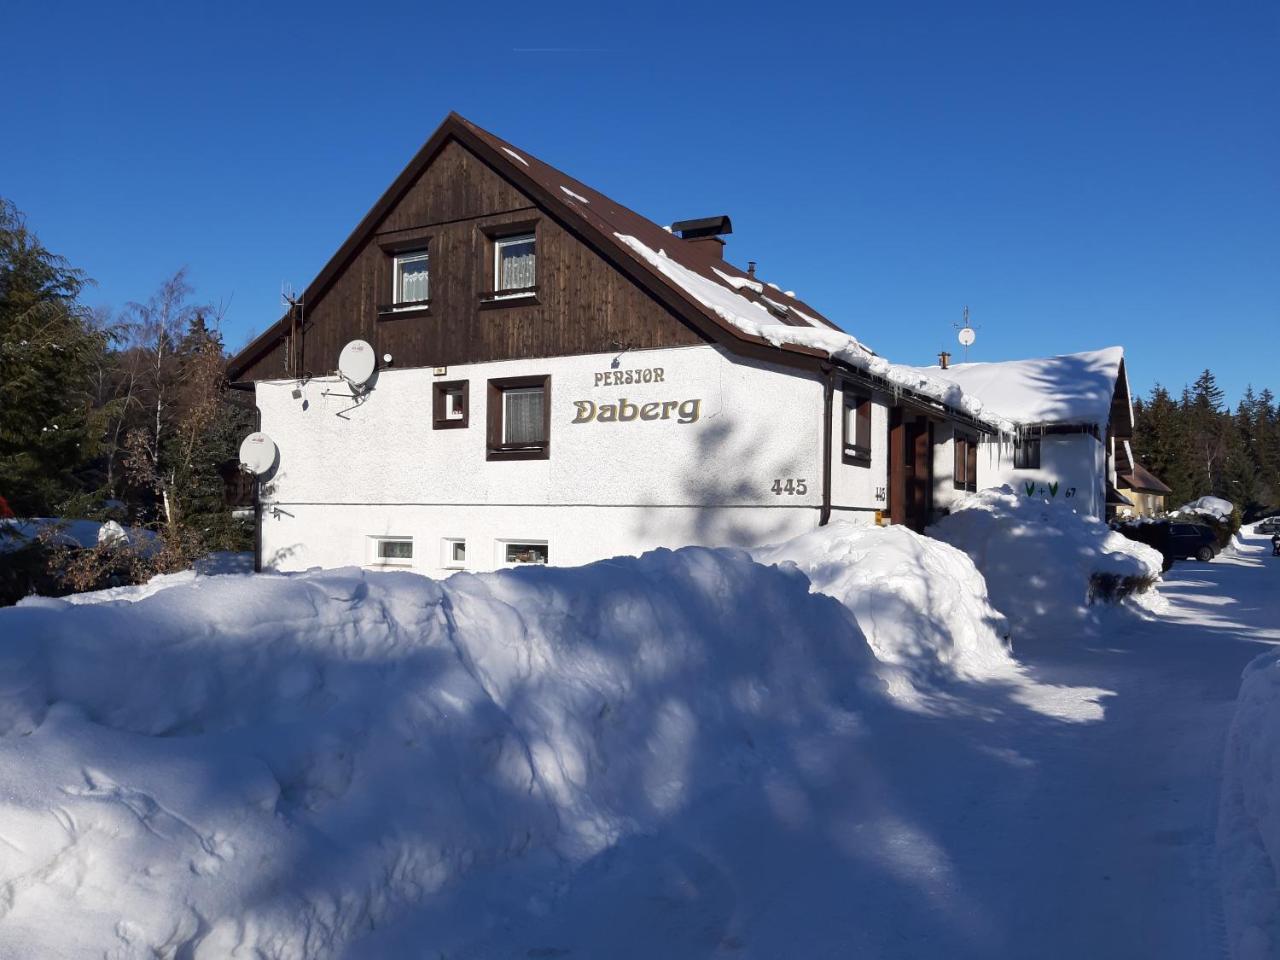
967, 333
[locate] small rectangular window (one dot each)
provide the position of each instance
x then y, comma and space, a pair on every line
519, 418
514, 264
525, 552
1026, 453
393, 551
410, 279
454, 553
449, 404
856, 428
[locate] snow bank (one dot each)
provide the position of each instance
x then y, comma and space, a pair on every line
921, 603
1045, 564
277, 765
1214, 507
1249, 815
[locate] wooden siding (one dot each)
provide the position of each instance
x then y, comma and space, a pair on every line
583, 304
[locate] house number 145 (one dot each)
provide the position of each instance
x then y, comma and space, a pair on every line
790, 487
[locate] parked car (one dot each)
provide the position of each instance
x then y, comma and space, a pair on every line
1269, 525
1174, 540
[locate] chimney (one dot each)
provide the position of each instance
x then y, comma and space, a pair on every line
705, 234
944, 358
751, 268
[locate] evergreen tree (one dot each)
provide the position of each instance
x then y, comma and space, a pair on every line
48, 425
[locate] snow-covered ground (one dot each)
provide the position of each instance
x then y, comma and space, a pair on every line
683, 755
1044, 564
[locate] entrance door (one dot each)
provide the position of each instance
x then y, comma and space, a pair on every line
910, 468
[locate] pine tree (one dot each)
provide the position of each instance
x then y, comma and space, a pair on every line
48, 425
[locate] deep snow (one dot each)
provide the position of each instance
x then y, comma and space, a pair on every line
686, 755
1040, 559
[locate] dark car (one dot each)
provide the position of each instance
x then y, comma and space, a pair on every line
1174, 540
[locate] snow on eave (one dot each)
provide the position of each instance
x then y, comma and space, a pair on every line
574, 196
754, 320
511, 153
1074, 389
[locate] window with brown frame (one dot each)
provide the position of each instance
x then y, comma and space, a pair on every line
965, 475
856, 421
1026, 453
450, 407
519, 418
512, 270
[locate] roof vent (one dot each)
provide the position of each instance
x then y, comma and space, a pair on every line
706, 234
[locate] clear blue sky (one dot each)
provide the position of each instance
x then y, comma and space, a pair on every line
1078, 174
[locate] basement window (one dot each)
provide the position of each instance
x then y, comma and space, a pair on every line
411, 279
454, 553
1026, 453
857, 428
524, 551
393, 551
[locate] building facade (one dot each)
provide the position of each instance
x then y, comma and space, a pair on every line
558, 380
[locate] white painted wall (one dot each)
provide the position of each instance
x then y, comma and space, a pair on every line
607, 489
857, 491
1077, 462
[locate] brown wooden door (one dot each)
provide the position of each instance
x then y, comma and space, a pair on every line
910, 469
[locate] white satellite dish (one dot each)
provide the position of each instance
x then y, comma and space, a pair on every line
258, 453
356, 363
966, 336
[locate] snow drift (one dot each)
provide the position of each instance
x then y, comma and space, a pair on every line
1045, 565
921, 603
277, 765
1249, 815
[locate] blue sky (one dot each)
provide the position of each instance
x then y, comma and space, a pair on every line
1078, 174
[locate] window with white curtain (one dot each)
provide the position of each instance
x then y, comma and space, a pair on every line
523, 417
411, 277
514, 263
517, 414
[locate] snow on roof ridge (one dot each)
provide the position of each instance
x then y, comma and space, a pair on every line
754, 320
1068, 388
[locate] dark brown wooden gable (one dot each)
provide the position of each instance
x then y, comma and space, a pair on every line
583, 303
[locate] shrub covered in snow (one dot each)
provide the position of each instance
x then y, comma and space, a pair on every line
276, 765
1219, 515
1249, 815
921, 603
1045, 564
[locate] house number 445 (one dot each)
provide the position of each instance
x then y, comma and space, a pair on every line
792, 488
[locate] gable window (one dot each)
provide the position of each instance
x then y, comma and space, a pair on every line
393, 551
449, 404
1026, 453
410, 273
519, 417
856, 420
514, 264
965, 475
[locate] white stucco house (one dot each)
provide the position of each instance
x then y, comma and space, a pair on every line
557, 379
1071, 421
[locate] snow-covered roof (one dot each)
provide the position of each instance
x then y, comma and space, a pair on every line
753, 317
1075, 388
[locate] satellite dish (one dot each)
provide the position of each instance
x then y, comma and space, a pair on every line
966, 336
356, 363
258, 453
